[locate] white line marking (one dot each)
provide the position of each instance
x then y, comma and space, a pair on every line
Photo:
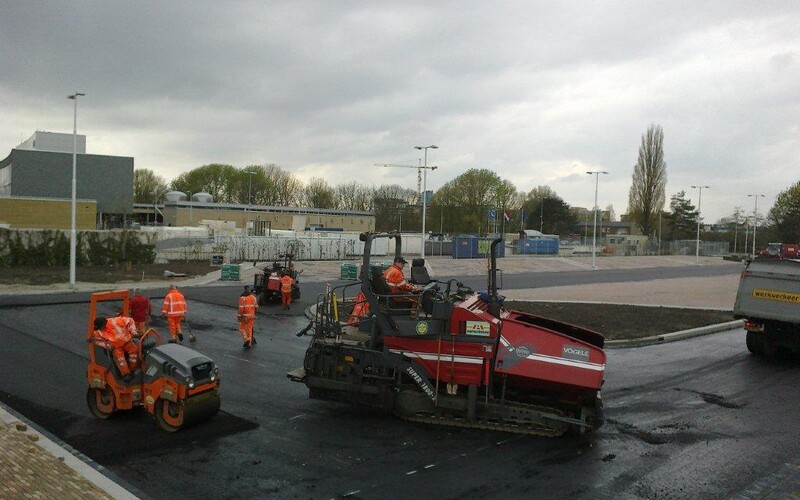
297, 416
410, 473
247, 361
429, 466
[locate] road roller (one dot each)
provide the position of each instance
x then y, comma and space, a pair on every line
177, 385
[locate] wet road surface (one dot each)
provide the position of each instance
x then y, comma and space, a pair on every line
699, 418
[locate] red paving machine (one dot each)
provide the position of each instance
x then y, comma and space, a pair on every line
176, 384
448, 355
267, 285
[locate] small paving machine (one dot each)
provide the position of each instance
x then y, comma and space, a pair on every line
267, 285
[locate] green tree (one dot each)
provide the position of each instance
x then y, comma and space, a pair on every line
223, 182
547, 212
467, 200
785, 215
682, 218
647, 194
148, 187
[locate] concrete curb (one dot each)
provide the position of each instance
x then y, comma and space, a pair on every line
675, 336
81, 464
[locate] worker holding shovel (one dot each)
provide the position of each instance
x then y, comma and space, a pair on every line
248, 305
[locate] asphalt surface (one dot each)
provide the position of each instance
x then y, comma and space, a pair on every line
695, 419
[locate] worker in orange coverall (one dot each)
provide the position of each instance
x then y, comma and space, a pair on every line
118, 333
286, 290
175, 310
395, 279
248, 305
140, 310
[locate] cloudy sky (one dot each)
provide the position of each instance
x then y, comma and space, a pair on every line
540, 92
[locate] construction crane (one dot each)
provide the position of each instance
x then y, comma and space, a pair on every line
419, 172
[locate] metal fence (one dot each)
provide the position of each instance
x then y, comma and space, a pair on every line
707, 248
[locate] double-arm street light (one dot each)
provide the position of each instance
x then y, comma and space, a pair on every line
699, 202
73, 237
755, 220
596, 173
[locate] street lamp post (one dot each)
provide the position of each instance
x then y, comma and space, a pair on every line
596, 173
250, 188
699, 203
424, 191
755, 220
73, 237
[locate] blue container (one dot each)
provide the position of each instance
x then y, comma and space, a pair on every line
472, 247
544, 246
465, 247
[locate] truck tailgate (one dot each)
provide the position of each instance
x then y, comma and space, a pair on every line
769, 289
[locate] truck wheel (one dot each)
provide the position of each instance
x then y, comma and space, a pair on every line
296, 293
755, 344
101, 402
169, 415
261, 299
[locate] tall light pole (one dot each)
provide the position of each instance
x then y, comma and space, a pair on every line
596, 174
755, 220
250, 188
699, 202
424, 191
73, 237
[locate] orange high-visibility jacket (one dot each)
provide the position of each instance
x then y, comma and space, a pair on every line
286, 283
397, 282
248, 306
174, 304
118, 331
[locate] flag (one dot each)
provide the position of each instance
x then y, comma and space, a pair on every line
507, 215
492, 213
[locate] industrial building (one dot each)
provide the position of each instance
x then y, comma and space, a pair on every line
36, 180
257, 220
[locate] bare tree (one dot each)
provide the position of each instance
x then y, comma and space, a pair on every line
148, 187
318, 194
647, 194
353, 196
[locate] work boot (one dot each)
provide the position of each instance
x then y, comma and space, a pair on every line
180, 336
192, 338
246, 345
253, 340
173, 340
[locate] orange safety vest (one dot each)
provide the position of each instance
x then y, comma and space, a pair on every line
118, 331
247, 306
174, 304
395, 279
286, 283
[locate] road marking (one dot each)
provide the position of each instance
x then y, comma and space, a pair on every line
247, 361
297, 416
429, 466
411, 472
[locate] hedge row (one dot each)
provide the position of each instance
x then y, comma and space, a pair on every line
20, 247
